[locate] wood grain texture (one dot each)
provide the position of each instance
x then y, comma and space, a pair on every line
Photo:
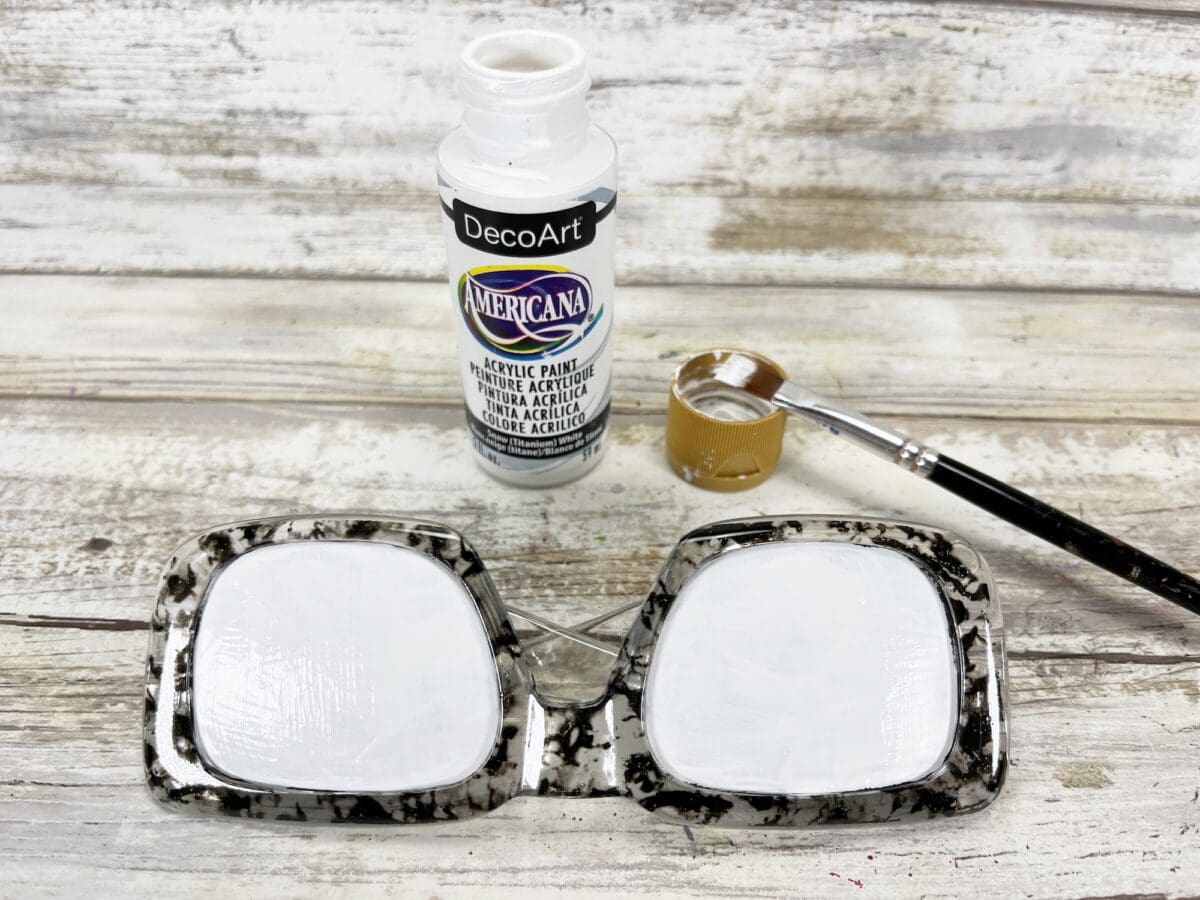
130, 480
785, 168
1027, 145
94, 495
927, 353
1100, 801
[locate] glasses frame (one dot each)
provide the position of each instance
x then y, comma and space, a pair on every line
597, 748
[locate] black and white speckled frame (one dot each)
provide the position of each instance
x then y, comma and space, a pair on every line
591, 749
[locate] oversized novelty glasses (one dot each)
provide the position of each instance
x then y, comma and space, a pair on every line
787, 672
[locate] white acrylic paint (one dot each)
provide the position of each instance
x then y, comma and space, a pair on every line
527, 187
804, 668
343, 666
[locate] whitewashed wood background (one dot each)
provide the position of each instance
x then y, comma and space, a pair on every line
220, 297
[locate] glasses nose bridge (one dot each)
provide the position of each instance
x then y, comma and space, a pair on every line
571, 750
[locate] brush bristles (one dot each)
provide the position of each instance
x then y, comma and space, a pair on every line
745, 373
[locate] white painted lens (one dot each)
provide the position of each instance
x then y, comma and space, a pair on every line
803, 668
343, 666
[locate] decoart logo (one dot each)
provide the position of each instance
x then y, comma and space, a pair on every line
527, 311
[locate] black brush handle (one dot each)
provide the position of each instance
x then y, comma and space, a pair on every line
1066, 531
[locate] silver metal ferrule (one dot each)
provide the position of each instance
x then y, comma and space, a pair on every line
879, 439
917, 458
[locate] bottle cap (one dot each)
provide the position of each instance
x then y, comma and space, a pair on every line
718, 437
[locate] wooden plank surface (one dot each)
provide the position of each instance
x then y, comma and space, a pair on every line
1104, 680
1022, 145
931, 353
783, 167
173, 427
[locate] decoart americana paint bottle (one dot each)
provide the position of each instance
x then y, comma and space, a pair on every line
528, 188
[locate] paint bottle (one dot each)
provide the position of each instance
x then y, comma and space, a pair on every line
528, 190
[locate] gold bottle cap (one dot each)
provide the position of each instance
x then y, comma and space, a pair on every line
718, 437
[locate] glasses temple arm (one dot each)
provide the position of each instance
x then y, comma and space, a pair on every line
559, 631
583, 627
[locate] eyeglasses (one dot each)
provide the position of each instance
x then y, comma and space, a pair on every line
781, 672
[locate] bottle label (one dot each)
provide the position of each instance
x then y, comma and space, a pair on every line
533, 293
519, 234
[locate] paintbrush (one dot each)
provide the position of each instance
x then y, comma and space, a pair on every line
743, 373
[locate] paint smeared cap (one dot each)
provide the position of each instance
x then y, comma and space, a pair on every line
718, 437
